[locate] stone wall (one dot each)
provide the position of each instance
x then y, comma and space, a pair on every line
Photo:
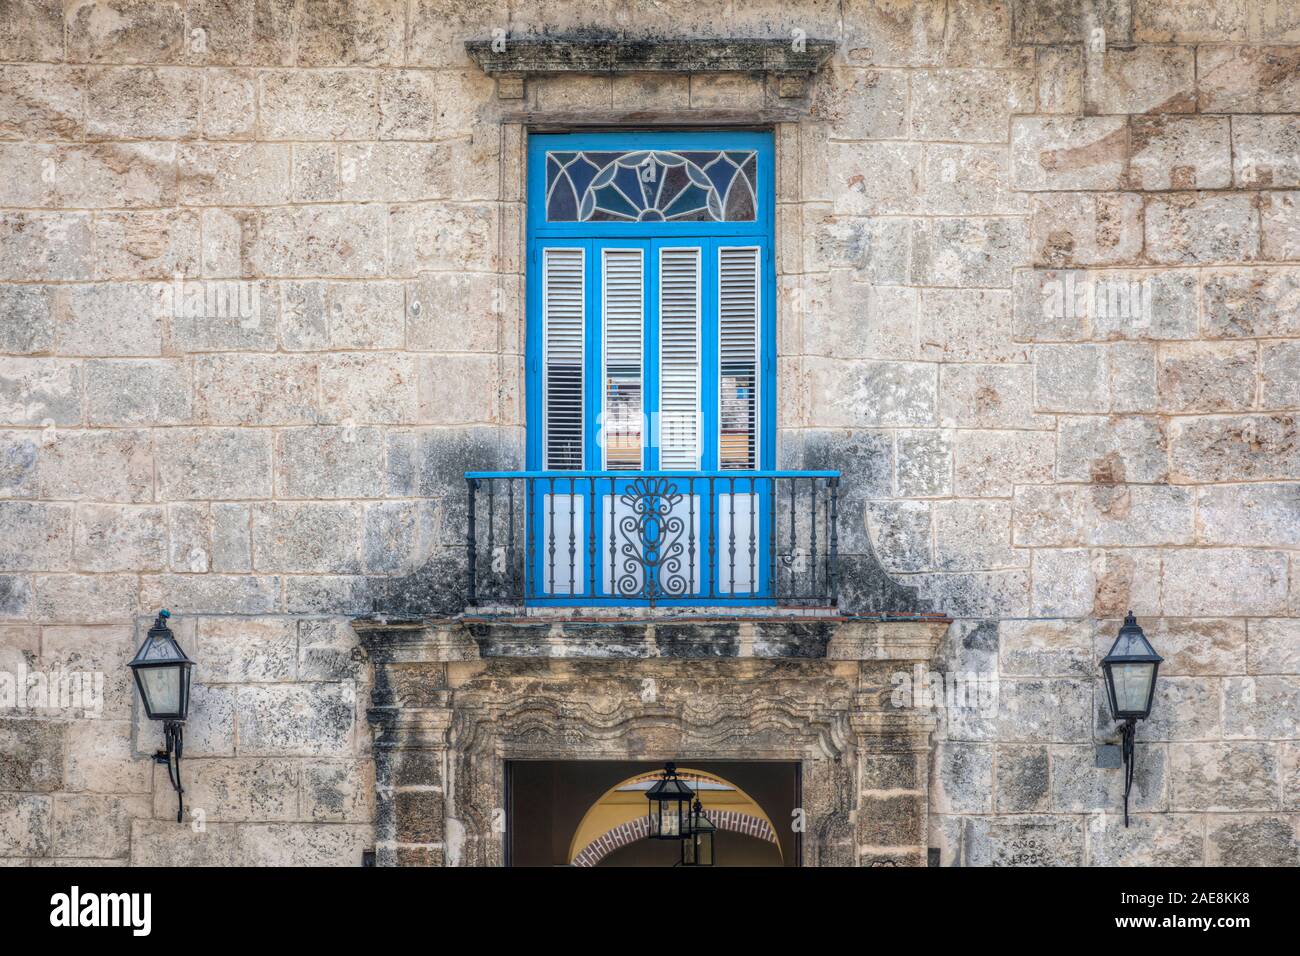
970, 178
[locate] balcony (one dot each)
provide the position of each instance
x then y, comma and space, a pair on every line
652, 538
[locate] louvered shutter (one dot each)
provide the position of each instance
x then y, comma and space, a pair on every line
563, 308
679, 357
738, 311
623, 297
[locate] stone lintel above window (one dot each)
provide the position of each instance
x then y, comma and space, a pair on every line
513, 61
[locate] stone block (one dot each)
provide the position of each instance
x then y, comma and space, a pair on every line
975, 535
15, 597
121, 537
1197, 21
1141, 79
35, 536
1061, 153
873, 179
103, 465
247, 651
443, 397
988, 396
864, 457
1247, 79
1202, 228
213, 463
18, 464
1190, 647
339, 241
1060, 80
163, 843
1180, 152
234, 174
1022, 780
133, 392
1044, 710
328, 651
1261, 707
646, 90
454, 312
147, 244
211, 593
329, 462
875, 249
976, 593
1112, 449
1086, 229
307, 537
968, 252
860, 104
319, 104
924, 464
971, 106
1071, 378
1233, 448
1150, 839
1279, 216
143, 102
1223, 777
34, 750
368, 388
1207, 376
1280, 374
1079, 786
1265, 152
39, 391
898, 34
36, 246
1023, 840
430, 236
229, 103
100, 759
85, 599
34, 31
303, 844
1046, 648
872, 394
26, 319
372, 35
96, 825
329, 594
963, 778
1272, 646
1223, 581
1261, 514
1252, 840
397, 536
309, 720
120, 318
337, 791
235, 790
1243, 303
1063, 584
968, 325
1067, 21
25, 824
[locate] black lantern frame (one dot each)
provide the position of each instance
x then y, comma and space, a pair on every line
698, 847
159, 664
670, 806
1130, 650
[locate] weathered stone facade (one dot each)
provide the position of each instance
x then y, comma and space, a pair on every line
261, 298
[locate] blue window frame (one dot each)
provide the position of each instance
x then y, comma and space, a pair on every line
651, 351
728, 175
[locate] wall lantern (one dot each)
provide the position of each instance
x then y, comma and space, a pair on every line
670, 806
697, 849
1130, 670
162, 675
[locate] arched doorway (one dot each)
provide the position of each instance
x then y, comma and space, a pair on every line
613, 830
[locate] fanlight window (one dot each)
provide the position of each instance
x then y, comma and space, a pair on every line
651, 185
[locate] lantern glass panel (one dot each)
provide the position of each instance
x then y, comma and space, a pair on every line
1132, 686
161, 687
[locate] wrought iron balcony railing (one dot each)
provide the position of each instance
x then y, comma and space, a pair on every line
651, 538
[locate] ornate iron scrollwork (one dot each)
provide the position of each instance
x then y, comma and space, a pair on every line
651, 549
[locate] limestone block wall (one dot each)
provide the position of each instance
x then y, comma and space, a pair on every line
260, 307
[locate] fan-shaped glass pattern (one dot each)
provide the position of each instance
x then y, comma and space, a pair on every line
652, 185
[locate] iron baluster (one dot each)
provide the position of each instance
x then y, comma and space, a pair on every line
510, 536
812, 532
613, 543
752, 529
491, 542
572, 538
771, 539
714, 518
731, 535
690, 536
471, 544
550, 537
591, 537
835, 540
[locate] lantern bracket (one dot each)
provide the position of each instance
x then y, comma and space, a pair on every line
174, 739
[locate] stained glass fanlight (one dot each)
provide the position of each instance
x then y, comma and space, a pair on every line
651, 185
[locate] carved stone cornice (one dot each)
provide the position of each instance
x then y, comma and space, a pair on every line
511, 61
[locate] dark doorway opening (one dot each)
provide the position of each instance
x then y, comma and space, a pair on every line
555, 808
